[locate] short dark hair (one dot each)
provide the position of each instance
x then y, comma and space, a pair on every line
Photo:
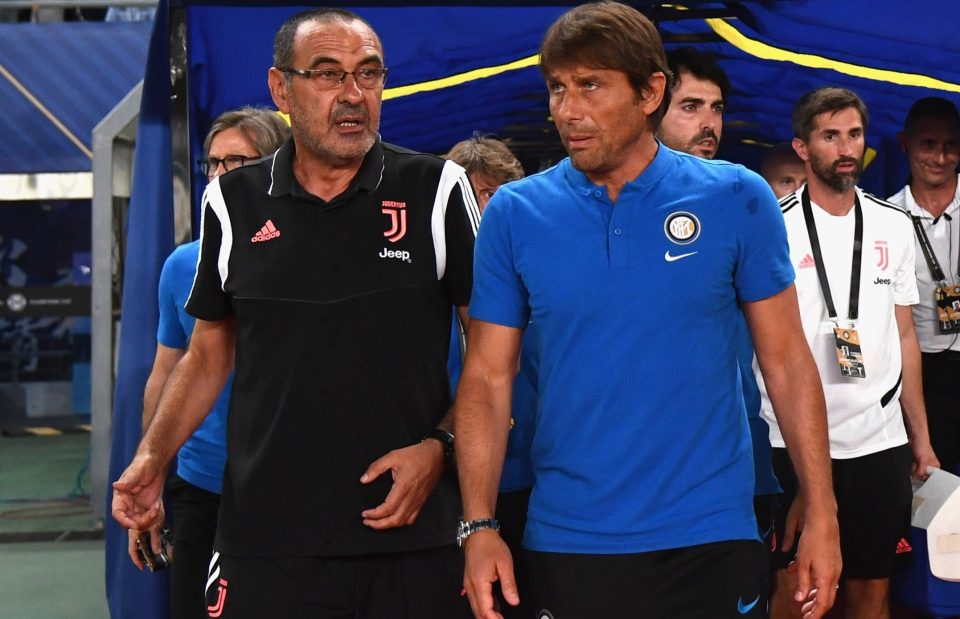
930, 107
701, 65
264, 127
608, 35
821, 100
488, 156
284, 39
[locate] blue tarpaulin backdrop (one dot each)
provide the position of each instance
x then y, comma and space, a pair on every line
130, 593
57, 81
457, 69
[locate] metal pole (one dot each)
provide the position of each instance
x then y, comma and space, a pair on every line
113, 140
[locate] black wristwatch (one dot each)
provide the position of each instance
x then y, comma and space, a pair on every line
466, 528
446, 439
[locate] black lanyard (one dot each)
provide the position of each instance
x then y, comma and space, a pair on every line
936, 271
818, 257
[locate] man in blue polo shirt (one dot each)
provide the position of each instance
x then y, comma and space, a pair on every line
631, 259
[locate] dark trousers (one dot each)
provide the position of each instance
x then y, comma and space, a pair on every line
723, 580
941, 392
419, 584
195, 525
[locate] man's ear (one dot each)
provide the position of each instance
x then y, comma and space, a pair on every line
800, 147
902, 139
653, 93
277, 83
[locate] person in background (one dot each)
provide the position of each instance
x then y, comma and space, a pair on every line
854, 256
236, 138
931, 141
490, 164
694, 120
783, 169
693, 124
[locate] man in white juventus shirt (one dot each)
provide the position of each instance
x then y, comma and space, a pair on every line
931, 141
854, 255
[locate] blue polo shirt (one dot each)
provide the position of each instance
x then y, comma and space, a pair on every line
765, 482
641, 440
201, 459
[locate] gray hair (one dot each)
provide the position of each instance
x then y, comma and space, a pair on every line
264, 127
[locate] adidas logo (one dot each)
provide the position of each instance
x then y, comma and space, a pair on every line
267, 232
903, 546
807, 263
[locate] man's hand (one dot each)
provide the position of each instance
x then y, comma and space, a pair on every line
794, 524
154, 531
923, 457
818, 564
487, 561
136, 495
416, 470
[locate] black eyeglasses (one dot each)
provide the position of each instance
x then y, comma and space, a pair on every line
230, 162
328, 79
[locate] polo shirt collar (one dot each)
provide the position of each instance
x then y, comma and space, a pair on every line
648, 178
284, 182
918, 211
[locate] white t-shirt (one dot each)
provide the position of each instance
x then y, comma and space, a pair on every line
858, 424
944, 236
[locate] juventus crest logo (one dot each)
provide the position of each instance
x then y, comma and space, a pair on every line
884, 254
397, 211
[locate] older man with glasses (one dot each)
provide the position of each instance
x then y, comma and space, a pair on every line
328, 272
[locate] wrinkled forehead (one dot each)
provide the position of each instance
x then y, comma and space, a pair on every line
336, 40
838, 120
232, 141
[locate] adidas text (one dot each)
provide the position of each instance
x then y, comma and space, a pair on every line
265, 237
397, 254
267, 232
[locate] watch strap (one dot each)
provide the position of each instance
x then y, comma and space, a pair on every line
466, 528
445, 438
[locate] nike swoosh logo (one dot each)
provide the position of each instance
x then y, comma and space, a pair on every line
743, 609
669, 258
767, 532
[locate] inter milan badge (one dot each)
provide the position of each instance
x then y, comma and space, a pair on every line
682, 227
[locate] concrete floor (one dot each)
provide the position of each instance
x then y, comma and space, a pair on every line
51, 548
52, 580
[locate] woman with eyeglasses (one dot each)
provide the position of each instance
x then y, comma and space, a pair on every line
236, 138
